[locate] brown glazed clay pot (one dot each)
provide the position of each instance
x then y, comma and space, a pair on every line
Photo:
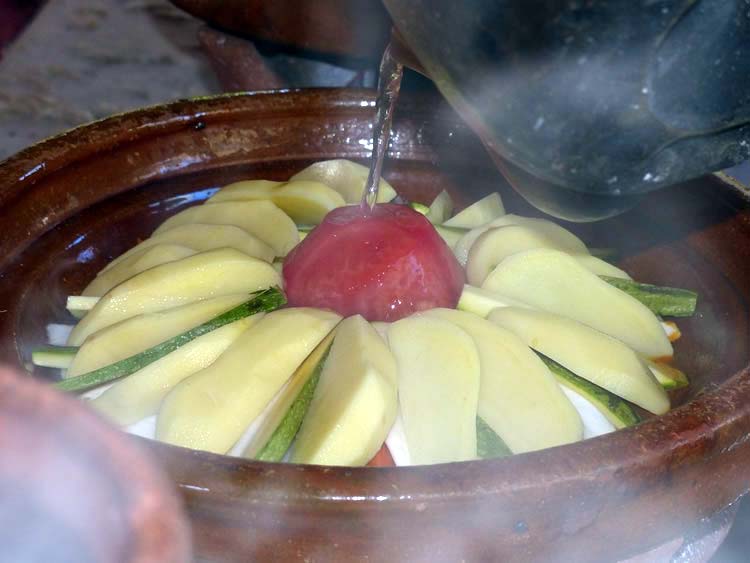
70, 204
73, 489
357, 28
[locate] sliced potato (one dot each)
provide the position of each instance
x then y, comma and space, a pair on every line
355, 402
211, 409
554, 281
481, 301
259, 433
136, 334
600, 267
140, 394
588, 353
135, 264
305, 201
260, 218
201, 237
496, 244
438, 382
518, 396
201, 276
563, 238
450, 235
346, 177
478, 213
440, 208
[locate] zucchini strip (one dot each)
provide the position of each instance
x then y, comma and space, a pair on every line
265, 300
668, 301
489, 444
279, 442
614, 409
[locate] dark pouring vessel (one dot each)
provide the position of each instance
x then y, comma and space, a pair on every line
586, 105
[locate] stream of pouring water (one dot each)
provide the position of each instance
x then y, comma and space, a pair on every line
389, 83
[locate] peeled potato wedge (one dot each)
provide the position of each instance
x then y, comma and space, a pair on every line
562, 237
438, 382
305, 201
136, 334
201, 276
496, 244
140, 394
201, 237
211, 409
440, 208
135, 264
554, 281
588, 353
518, 396
478, 213
600, 267
355, 402
260, 218
346, 177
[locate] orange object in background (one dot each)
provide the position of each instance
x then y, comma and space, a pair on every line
382, 458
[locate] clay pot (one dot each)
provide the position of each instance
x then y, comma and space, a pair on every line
72, 203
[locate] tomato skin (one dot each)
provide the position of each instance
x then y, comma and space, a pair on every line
384, 264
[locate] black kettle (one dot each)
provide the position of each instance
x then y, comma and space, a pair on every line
588, 104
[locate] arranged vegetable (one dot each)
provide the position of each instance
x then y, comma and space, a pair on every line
438, 372
266, 300
208, 274
553, 281
346, 177
202, 237
355, 402
519, 399
305, 201
280, 427
667, 301
588, 353
614, 409
548, 344
259, 218
211, 409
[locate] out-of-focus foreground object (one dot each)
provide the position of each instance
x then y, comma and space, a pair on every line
73, 489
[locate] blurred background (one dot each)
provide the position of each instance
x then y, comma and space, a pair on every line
68, 62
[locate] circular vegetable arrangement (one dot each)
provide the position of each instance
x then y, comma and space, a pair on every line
362, 343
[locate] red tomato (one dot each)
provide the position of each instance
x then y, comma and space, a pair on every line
382, 458
383, 264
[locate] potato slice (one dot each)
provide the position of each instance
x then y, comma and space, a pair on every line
563, 238
140, 394
600, 267
553, 281
496, 244
211, 409
438, 381
518, 396
201, 237
481, 301
440, 208
478, 213
588, 353
201, 276
346, 177
136, 334
260, 218
137, 263
305, 201
355, 402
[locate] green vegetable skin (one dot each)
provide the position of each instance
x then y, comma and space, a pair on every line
614, 409
667, 301
489, 444
287, 429
264, 300
54, 356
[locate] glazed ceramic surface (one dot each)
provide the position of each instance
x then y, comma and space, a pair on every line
71, 204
